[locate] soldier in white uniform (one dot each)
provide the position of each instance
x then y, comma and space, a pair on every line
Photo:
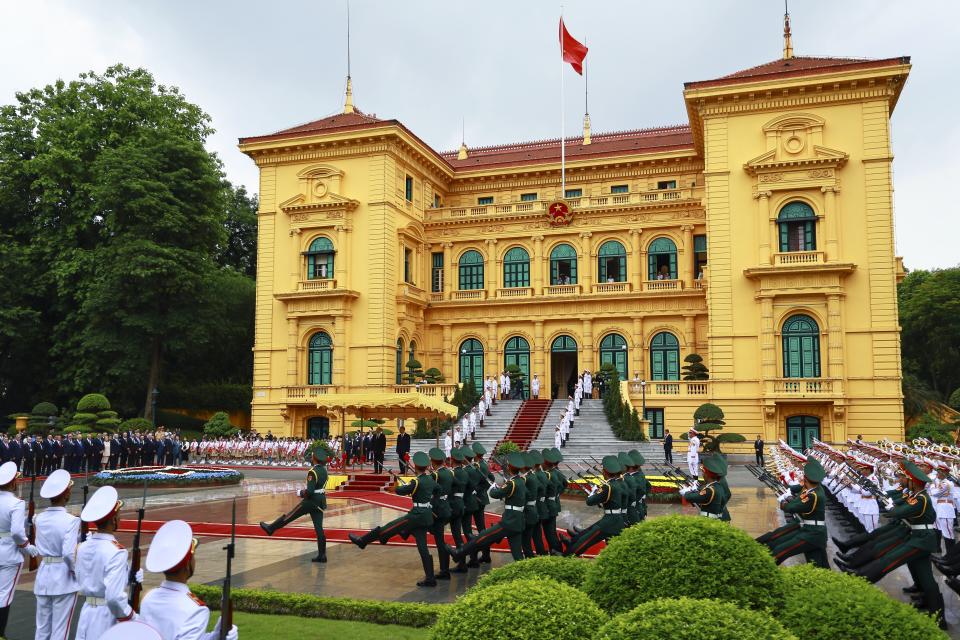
941, 490
133, 630
101, 568
447, 444
570, 410
171, 608
58, 534
473, 424
693, 454
13, 539
587, 384
557, 437
535, 387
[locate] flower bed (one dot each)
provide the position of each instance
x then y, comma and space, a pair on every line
176, 476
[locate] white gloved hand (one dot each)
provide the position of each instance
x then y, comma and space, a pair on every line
888, 503
783, 497
31, 551
139, 576
233, 634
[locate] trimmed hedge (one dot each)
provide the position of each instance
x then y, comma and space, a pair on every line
827, 604
45, 409
408, 614
684, 556
93, 403
570, 571
689, 619
540, 608
136, 424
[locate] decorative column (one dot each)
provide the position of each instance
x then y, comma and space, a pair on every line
639, 348
491, 269
539, 350
447, 271
830, 220
293, 332
835, 341
449, 370
588, 350
536, 269
491, 350
690, 332
686, 265
768, 346
636, 272
585, 269
296, 258
342, 258
340, 348
763, 233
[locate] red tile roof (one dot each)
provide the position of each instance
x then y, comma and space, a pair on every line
797, 66
330, 124
602, 144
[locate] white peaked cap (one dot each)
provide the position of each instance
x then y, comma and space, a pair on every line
100, 505
170, 546
8, 471
133, 630
55, 484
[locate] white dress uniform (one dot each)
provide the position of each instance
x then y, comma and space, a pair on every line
171, 608
869, 509
535, 387
447, 444
942, 493
588, 384
56, 585
557, 438
473, 425
13, 541
693, 456
102, 571
133, 630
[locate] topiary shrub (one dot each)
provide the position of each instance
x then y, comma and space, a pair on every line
93, 403
690, 619
136, 424
827, 604
219, 425
539, 608
44, 409
506, 448
79, 428
108, 424
570, 571
652, 559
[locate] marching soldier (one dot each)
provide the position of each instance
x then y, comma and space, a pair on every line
459, 486
643, 485
171, 608
630, 515
530, 514
58, 533
480, 481
416, 522
607, 496
543, 512
314, 500
13, 539
810, 505
556, 485
442, 511
712, 498
101, 568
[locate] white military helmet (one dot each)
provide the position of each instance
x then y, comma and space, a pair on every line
171, 546
101, 505
8, 472
55, 484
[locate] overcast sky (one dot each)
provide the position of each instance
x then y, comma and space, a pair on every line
257, 67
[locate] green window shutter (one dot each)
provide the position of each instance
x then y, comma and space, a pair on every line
657, 365
673, 265
619, 188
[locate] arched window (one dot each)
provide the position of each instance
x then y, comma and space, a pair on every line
798, 227
563, 344
665, 357
471, 363
320, 359
517, 351
399, 361
662, 260
613, 349
563, 265
801, 347
320, 259
471, 270
611, 262
516, 268
413, 351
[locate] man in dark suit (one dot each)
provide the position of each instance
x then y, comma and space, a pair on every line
403, 448
99, 445
89, 451
667, 447
115, 446
32, 455
57, 452
16, 451
149, 450
4, 449
758, 450
169, 450
379, 446
68, 453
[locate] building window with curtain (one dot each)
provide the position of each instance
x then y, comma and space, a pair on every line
801, 347
611, 262
699, 256
484, 200
471, 270
320, 359
436, 273
563, 265
664, 357
620, 188
320, 259
798, 227
662, 260
516, 268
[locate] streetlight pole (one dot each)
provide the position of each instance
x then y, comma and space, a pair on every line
153, 406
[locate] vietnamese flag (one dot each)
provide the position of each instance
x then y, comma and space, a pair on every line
572, 51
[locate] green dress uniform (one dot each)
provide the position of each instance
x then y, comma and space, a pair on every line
511, 525
810, 506
630, 489
712, 498
484, 480
530, 515
556, 485
459, 488
643, 485
543, 513
609, 498
442, 509
314, 500
416, 522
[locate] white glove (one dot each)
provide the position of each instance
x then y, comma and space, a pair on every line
139, 576
31, 551
888, 503
783, 497
233, 634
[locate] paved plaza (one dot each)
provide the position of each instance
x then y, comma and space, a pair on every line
378, 572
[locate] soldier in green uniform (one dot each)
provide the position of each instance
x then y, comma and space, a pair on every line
442, 509
543, 513
810, 505
484, 483
919, 513
314, 499
643, 485
475, 490
512, 524
417, 521
711, 498
530, 515
630, 515
460, 485
556, 485
608, 496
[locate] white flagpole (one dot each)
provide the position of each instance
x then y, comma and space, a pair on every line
563, 146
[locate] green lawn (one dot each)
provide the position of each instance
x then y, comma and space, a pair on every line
257, 626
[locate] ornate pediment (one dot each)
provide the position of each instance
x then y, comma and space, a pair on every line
320, 187
794, 142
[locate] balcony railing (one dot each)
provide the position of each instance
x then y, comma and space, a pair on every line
788, 258
310, 391
663, 285
436, 296
562, 290
802, 386
410, 290
612, 287
470, 294
317, 285
515, 292
669, 388
435, 390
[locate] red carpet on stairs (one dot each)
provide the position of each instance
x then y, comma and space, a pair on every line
367, 482
527, 423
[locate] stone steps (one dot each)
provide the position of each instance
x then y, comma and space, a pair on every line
494, 429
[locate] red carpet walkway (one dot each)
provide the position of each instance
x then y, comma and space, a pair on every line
527, 423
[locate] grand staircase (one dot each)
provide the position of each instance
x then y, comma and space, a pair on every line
361, 481
526, 426
494, 429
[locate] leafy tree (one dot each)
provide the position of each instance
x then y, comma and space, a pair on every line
931, 428
219, 425
695, 370
414, 372
239, 250
709, 417
918, 398
954, 400
929, 303
433, 376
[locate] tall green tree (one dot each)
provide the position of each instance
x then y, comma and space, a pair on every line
929, 303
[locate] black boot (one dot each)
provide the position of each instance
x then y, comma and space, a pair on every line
321, 551
273, 526
912, 589
4, 614
428, 579
365, 539
456, 554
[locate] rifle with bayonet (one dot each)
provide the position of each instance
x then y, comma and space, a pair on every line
136, 588
226, 602
31, 513
85, 526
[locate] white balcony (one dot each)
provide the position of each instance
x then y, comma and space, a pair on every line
612, 287
306, 392
515, 292
562, 290
788, 258
317, 285
803, 387
470, 294
663, 285
669, 388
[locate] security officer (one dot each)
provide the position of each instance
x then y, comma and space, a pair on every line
13, 539
116, 445
442, 509
512, 524
608, 495
314, 499
556, 485
712, 498
810, 505
416, 522
171, 608
480, 481
101, 568
58, 533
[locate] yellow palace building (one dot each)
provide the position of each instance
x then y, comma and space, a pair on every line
758, 235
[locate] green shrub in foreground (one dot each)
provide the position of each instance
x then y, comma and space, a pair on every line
689, 619
684, 556
539, 608
570, 571
827, 604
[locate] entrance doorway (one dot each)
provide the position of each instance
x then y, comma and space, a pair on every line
801, 431
517, 351
655, 417
318, 428
563, 367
